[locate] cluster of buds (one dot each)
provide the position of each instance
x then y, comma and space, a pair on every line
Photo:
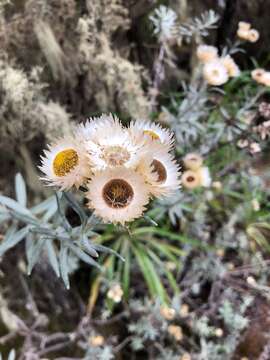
115, 293
253, 147
216, 70
196, 174
245, 32
169, 313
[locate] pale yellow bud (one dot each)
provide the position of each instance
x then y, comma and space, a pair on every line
176, 332
167, 313
219, 332
96, 341
244, 25
184, 310
193, 161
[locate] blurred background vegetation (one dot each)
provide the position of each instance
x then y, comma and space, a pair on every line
195, 281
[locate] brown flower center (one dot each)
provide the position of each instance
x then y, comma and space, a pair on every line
117, 193
115, 155
65, 161
159, 168
190, 178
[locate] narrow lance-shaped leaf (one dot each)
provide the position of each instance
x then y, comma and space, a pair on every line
20, 190
63, 261
43, 206
50, 212
89, 248
66, 224
4, 215
14, 205
107, 250
52, 256
24, 218
83, 256
35, 252
13, 240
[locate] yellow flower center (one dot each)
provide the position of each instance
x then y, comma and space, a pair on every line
152, 134
65, 161
160, 169
115, 155
117, 193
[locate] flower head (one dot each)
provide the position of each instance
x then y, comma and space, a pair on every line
163, 177
97, 340
118, 195
215, 73
205, 177
191, 179
176, 332
257, 75
151, 133
243, 34
244, 25
167, 312
65, 164
206, 53
261, 76
112, 145
193, 161
230, 65
253, 35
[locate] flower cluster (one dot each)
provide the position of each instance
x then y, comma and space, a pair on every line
121, 168
216, 70
245, 32
196, 174
261, 76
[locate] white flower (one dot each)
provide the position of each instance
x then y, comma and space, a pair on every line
85, 131
215, 73
112, 145
95, 126
265, 80
253, 35
151, 133
165, 170
207, 53
232, 68
118, 195
205, 177
65, 164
